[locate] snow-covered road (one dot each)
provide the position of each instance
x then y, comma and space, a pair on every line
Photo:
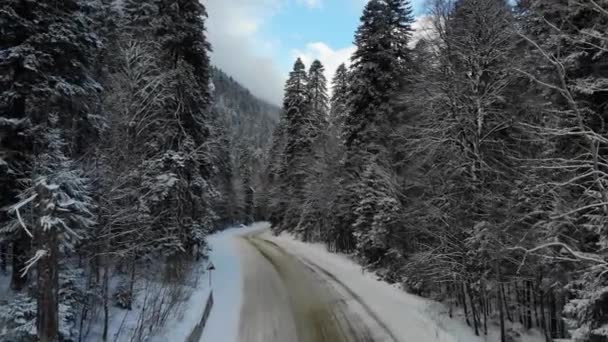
278, 289
288, 299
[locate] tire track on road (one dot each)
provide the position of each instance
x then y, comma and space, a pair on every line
315, 308
331, 278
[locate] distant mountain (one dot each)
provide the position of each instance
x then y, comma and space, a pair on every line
250, 118
250, 123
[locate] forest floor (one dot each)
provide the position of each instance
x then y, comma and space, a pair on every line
279, 289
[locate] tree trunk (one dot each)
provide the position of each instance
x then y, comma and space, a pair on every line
464, 304
106, 295
553, 315
501, 311
3, 256
473, 310
21, 248
483, 308
131, 283
528, 300
48, 288
543, 317
535, 296
520, 307
506, 303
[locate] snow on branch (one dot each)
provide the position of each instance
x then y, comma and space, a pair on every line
41, 253
15, 208
579, 256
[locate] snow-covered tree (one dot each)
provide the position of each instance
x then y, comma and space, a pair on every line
378, 71
297, 145
45, 61
339, 98
317, 94
59, 206
567, 56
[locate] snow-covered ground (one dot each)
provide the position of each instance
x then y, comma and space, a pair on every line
152, 300
408, 317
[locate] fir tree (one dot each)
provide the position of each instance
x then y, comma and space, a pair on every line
377, 73
378, 67
45, 64
317, 93
297, 143
60, 201
339, 97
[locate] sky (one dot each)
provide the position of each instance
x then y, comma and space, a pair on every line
257, 41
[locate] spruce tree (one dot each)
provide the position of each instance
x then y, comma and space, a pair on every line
378, 67
297, 144
339, 97
46, 61
317, 93
378, 70
316, 131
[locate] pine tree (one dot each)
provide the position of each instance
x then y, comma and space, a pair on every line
377, 214
45, 64
141, 17
297, 146
378, 69
61, 205
296, 94
313, 202
274, 169
317, 93
339, 97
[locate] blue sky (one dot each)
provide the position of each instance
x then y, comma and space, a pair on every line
257, 41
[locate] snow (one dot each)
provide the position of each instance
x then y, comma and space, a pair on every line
150, 299
409, 317
223, 323
179, 327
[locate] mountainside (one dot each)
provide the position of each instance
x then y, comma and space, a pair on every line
248, 117
249, 123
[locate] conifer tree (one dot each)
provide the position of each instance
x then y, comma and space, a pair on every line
339, 97
317, 94
378, 70
297, 143
378, 67
314, 201
46, 60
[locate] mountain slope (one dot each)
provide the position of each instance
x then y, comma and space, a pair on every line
249, 122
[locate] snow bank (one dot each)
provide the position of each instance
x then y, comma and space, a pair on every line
409, 317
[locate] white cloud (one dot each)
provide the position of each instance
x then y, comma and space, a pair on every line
238, 49
243, 52
331, 58
311, 3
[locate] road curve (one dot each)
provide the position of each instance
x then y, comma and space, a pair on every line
286, 299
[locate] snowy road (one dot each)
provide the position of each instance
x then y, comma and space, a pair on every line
287, 298
278, 289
